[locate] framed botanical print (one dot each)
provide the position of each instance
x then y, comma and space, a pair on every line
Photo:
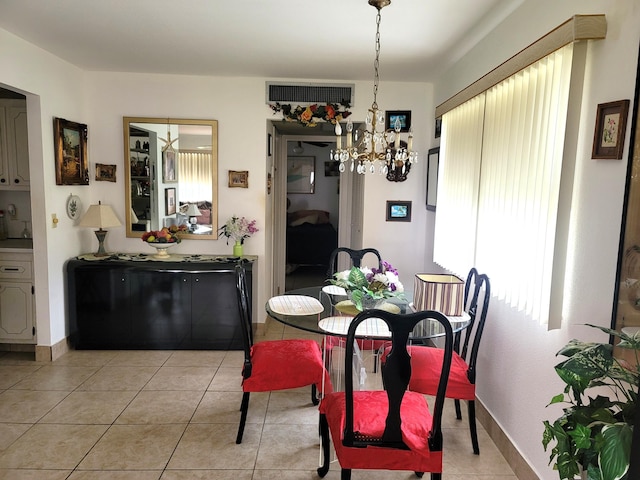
301, 174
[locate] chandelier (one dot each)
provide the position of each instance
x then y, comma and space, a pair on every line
373, 149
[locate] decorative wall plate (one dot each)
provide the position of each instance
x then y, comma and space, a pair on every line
74, 207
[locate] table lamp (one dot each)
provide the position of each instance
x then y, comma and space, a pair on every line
100, 216
193, 212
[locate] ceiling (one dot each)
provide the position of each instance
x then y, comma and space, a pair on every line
293, 39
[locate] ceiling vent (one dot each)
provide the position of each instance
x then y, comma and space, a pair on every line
310, 92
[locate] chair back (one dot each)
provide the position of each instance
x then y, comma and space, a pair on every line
245, 317
356, 257
396, 373
477, 287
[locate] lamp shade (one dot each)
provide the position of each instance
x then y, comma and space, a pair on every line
100, 216
192, 210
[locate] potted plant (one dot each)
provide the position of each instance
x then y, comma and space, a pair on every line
593, 436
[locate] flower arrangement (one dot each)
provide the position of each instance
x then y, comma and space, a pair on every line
363, 283
238, 228
166, 235
307, 115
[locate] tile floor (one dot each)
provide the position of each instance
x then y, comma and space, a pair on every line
173, 415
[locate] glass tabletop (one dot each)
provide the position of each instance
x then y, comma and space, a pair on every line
309, 306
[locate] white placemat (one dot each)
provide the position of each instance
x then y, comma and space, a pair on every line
295, 305
334, 290
371, 327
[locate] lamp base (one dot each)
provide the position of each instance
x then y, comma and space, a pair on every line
100, 235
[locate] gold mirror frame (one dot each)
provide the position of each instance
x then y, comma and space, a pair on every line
155, 171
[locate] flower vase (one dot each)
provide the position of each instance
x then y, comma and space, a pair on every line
369, 303
237, 249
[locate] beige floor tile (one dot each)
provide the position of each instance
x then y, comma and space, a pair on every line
224, 407
227, 379
188, 358
14, 474
207, 475
89, 408
292, 407
140, 358
459, 459
212, 446
27, 406
51, 446
115, 475
86, 358
63, 377
133, 447
181, 378
289, 447
279, 474
10, 432
12, 374
20, 358
233, 359
119, 378
159, 407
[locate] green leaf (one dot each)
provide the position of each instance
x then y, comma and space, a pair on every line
615, 451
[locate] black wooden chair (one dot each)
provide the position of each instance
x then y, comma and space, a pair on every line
275, 364
389, 429
355, 255
425, 361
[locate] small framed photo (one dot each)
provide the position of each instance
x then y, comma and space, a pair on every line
170, 201
433, 158
398, 211
611, 124
238, 179
105, 173
301, 174
169, 166
403, 116
331, 169
438, 128
70, 142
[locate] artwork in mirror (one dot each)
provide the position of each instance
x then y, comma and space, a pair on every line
193, 173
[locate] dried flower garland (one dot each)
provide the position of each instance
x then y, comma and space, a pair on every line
309, 115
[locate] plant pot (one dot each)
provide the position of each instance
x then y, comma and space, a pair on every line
237, 249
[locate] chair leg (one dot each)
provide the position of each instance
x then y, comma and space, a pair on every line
314, 394
325, 441
244, 408
419, 474
345, 474
472, 426
458, 411
436, 476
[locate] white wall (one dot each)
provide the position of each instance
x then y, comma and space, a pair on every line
515, 369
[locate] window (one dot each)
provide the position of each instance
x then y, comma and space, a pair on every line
501, 161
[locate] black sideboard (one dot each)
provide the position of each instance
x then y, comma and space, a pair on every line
131, 301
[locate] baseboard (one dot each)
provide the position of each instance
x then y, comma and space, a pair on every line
46, 353
518, 464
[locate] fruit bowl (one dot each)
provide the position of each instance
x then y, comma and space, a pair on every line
161, 248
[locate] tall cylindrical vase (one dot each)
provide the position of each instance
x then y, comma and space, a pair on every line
237, 249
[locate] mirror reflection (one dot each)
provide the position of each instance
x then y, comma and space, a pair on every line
171, 169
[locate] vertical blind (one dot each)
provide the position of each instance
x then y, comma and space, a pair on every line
194, 170
501, 162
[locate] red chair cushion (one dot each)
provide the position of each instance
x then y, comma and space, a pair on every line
370, 412
285, 364
426, 365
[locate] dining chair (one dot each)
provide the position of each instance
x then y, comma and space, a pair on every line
356, 257
389, 429
275, 364
426, 361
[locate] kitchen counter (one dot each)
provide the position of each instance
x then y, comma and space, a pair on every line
16, 245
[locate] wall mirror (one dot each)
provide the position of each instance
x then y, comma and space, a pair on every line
171, 175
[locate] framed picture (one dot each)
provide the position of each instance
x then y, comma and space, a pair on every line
269, 144
432, 178
392, 115
169, 166
238, 179
331, 169
611, 123
301, 174
105, 173
170, 201
70, 142
438, 129
398, 211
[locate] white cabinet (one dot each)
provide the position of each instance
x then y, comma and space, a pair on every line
14, 145
16, 298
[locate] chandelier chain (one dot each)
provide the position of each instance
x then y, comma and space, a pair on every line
376, 63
